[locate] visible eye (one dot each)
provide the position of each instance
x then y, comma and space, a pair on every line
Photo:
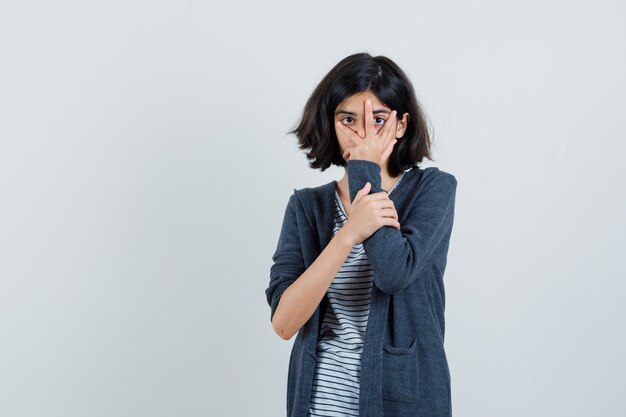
377, 120
347, 117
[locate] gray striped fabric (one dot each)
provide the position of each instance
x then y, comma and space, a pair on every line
340, 342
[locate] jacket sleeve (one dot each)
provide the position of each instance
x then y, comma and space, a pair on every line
288, 262
398, 256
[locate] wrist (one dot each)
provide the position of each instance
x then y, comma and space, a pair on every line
365, 159
346, 237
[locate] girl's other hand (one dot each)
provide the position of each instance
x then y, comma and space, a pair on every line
370, 212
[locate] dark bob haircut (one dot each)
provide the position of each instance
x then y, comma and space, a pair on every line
357, 73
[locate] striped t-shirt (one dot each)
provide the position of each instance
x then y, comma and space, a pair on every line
335, 390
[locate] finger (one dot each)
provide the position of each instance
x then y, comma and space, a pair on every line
362, 192
387, 221
384, 131
387, 207
389, 149
349, 133
389, 129
390, 142
394, 125
346, 153
393, 220
369, 122
390, 212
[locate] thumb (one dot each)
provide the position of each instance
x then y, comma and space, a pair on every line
362, 192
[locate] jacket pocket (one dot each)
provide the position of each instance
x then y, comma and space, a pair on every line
400, 373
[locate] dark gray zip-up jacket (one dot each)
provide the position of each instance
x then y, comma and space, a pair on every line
404, 369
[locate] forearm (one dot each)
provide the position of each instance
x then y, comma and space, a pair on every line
398, 256
299, 301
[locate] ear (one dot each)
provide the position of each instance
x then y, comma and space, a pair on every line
402, 125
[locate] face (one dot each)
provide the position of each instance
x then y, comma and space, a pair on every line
351, 114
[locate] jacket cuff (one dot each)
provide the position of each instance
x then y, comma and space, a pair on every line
361, 171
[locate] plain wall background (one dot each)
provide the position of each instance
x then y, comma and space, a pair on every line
145, 167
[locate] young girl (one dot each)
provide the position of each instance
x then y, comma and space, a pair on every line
358, 270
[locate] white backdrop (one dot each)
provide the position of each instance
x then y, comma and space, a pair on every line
145, 167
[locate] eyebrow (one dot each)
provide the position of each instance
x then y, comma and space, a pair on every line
349, 113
